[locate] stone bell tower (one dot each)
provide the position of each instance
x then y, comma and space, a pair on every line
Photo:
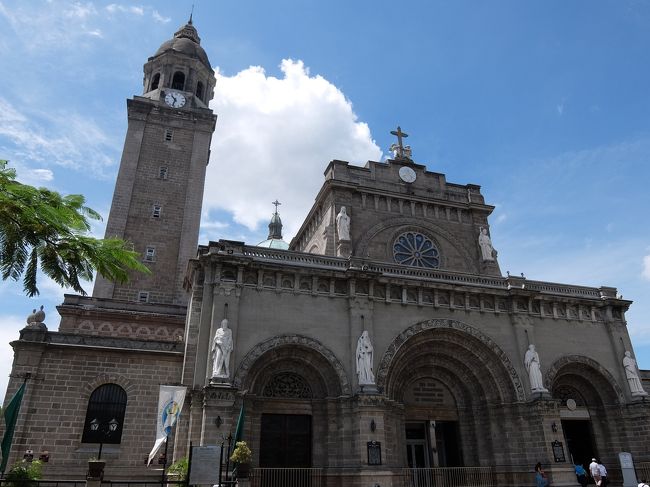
159, 189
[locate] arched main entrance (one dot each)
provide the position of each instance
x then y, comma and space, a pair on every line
291, 383
456, 386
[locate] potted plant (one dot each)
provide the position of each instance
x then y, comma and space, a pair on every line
178, 470
24, 474
95, 468
241, 457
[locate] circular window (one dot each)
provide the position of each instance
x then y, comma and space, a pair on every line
414, 249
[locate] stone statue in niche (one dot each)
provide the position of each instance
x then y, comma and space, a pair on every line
533, 367
632, 375
365, 353
484, 241
222, 346
343, 224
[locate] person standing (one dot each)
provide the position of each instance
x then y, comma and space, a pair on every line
594, 471
581, 475
603, 475
541, 480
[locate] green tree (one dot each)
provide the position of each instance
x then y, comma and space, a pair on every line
43, 229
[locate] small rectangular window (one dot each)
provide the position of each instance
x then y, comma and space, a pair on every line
143, 297
162, 172
169, 135
150, 254
157, 209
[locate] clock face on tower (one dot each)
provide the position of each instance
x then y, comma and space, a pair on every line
175, 100
407, 174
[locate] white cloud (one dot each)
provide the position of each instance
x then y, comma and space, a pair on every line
273, 140
54, 25
159, 18
646, 267
72, 140
80, 11
34, 176
136, 10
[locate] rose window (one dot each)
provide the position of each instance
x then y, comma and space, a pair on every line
414, 249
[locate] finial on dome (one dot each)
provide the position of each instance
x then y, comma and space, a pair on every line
275, 227
188, 31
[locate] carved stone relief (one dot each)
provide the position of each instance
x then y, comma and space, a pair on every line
261, 348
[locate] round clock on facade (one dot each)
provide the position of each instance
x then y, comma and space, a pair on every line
175, 100
407, 174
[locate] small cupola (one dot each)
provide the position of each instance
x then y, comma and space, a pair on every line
274, 240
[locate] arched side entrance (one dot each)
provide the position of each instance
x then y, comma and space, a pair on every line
456, 386
291, 387
589, 404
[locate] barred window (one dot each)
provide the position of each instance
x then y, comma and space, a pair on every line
150, 254
157, 210
169, 135
163, 171
143, 297
105, 415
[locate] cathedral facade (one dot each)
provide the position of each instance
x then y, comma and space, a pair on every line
384, 344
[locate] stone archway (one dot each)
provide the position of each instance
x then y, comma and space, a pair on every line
593, 373
293, 385
489, 350
309, 344
590, 404
457, 382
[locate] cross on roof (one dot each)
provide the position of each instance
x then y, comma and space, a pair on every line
276, 203
400, 135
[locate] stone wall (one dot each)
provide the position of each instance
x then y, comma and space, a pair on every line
61, 378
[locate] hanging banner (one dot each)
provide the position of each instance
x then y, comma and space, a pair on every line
170, 403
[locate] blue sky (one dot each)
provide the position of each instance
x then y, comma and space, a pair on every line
545, 104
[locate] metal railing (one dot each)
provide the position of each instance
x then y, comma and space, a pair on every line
143, 483
43, 483
286, 477
643, 471
449, 477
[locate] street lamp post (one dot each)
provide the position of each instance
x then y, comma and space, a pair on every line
103, 430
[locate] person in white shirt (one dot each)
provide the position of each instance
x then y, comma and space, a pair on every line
594, 471
603, 475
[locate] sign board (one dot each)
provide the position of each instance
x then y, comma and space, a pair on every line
626, 460
627, 469
205, 465
558, 451
374, 453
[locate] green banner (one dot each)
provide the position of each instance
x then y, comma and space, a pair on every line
11, 416
239, 432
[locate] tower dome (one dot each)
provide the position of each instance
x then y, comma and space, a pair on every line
182, 66
186, 41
